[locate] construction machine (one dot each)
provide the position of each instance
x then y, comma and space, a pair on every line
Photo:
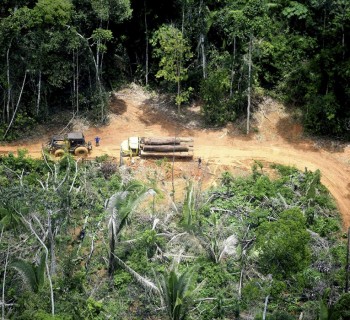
72, 142
160, 147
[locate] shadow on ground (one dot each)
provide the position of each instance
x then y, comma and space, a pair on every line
292, 131
117, 106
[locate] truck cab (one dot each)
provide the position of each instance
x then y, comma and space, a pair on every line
130, 147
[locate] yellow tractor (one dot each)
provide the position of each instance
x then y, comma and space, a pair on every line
72, 142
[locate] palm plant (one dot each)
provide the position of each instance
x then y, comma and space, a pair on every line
31, 274
188, 210
9, 217
176, 292
175, 289
218, 239
119, 207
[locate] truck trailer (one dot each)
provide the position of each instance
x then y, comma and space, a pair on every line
157, 147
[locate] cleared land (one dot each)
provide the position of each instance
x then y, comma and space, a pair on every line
275, 138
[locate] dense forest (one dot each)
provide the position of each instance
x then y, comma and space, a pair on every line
69, 54
88, 241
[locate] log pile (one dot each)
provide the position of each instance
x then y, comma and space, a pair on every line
179, 147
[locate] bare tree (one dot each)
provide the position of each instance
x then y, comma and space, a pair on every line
249, 91
147, 44
17, 105
3, 285
41, 241
39, 94
233, 67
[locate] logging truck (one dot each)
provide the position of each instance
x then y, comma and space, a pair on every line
179, 147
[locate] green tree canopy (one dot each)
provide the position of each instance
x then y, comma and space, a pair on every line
283, 244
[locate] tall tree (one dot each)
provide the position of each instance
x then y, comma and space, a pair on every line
173, 51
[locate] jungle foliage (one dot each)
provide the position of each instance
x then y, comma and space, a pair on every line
68, 54
79, 241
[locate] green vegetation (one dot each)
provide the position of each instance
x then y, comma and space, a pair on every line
80, 243
69, 54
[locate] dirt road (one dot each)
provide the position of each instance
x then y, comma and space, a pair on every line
275, 138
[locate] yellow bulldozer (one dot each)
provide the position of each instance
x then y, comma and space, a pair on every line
72, 142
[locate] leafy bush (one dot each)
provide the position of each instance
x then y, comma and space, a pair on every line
283, 245
217, 107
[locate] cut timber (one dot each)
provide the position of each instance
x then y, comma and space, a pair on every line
181, 144
166, 148
159, 147
166, 155
164, 141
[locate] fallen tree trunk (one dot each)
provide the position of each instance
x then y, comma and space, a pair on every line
182, 144
166, 155
164, 141
165, 148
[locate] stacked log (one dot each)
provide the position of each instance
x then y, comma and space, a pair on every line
165, 148
179, 147
165, 141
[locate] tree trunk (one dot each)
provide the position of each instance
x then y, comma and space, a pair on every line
178, 94
164, 141
233, 67
183, 18
146, 49
77, 84
177, 155
46, 262
3, 285
249, 81
50, 283
98, 80
204, 58
96, 62
39, 94
241, 280
111, 266
265, 307
166, 148
74, 82
8, 84
75, 99
52, 244
18, 102
202, 39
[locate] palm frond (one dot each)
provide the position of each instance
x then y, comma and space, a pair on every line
112, 222
155, 222
112, 202
27, 272
9, 219
188, 210
324, 312
40, 270
147, 284
229, 247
